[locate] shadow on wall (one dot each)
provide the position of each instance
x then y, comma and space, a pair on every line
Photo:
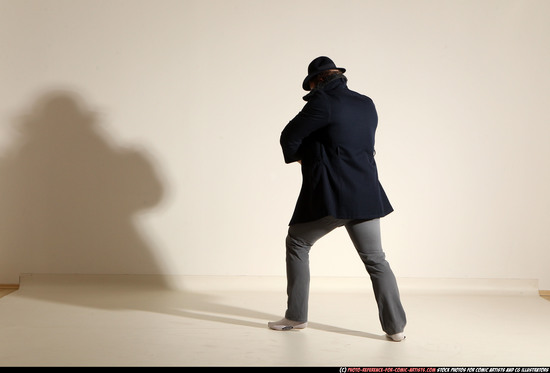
68, 195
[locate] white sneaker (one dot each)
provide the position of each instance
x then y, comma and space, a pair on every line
285, 324
396, 337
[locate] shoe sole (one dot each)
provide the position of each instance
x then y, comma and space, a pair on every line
287, 327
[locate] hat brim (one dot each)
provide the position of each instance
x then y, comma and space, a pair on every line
305, 84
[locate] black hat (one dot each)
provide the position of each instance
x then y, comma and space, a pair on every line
317, 66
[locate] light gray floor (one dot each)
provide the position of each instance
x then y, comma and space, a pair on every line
140, 321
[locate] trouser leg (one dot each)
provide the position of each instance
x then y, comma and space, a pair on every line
367, 240
299, 241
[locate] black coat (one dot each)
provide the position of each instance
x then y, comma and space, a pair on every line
333, 136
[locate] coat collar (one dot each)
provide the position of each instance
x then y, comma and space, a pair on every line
338, 81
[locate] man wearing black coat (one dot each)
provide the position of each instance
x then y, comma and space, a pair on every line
333, 138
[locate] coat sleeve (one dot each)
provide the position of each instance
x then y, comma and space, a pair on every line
314, 115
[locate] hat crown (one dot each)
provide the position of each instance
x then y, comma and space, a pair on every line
320, 64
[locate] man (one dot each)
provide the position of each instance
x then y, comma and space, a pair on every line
333, 139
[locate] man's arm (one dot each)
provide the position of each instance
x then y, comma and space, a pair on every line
314, 115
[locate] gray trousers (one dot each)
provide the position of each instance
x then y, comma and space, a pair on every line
365, 235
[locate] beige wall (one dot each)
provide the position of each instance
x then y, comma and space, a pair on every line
142, 136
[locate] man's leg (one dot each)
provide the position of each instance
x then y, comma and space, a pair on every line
367, 240
299, 241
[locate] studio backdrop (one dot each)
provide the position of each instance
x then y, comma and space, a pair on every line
142, 137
